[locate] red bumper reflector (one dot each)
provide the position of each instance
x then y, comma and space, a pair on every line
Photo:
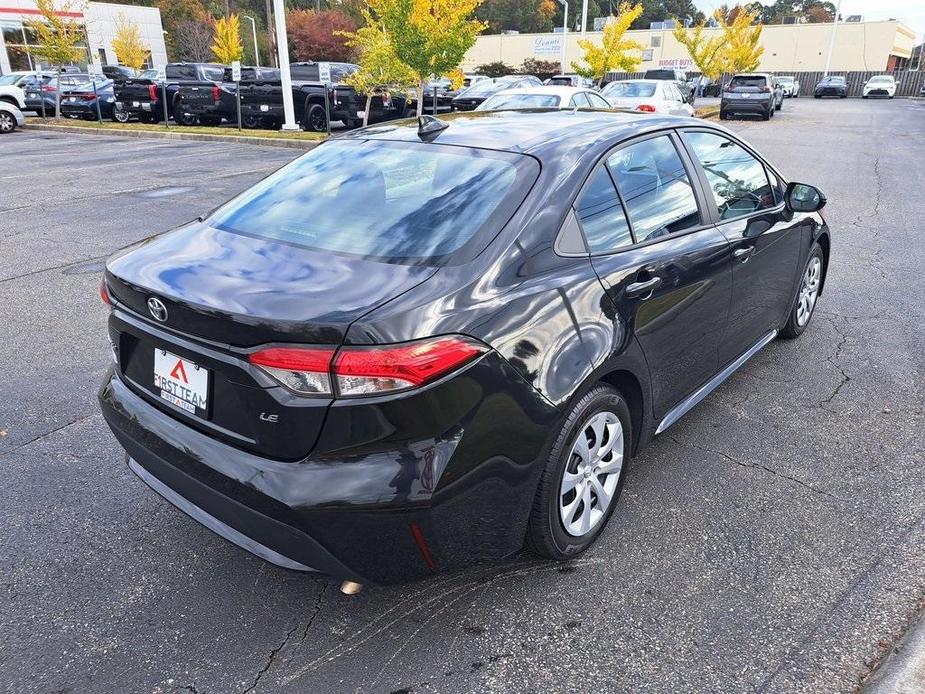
419, 540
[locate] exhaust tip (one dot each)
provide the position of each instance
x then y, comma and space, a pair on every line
350, 587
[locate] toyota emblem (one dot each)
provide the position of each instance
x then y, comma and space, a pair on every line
157, 309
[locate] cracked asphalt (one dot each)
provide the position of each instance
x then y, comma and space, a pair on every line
773, 540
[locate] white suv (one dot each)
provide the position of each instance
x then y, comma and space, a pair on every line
880, 85
10, 93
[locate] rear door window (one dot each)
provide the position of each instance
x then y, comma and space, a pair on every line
739, 182
597, 101
655, 188
580, 100
601, 214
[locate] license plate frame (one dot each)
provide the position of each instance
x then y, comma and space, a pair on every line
182, 382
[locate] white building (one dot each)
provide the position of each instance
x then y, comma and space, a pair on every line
17, 45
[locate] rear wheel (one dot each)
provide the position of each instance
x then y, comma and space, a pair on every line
120, 116
723, 115
583, 477
316, 120
810, 284
184, 118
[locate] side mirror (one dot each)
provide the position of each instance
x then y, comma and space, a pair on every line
802, 197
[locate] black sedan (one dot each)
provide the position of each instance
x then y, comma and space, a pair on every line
422, 346
833, 85
81, 101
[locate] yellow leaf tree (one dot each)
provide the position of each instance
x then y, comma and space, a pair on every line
615, 51
741, 51
58, 38
226, 45
128, 45
380, 70
429, 36
705, 51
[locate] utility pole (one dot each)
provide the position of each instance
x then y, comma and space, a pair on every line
584, 17
282, 50
828, 57
271, 39
254, 32
564, 4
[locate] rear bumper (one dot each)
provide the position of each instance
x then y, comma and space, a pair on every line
745, 106
387, 511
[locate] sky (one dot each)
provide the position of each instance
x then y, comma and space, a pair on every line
911, 12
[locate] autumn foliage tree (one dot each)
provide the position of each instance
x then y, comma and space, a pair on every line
130, 49
429, 36
705, 47
615, 51
380, 70
227, 45
741, 51
321, 35
58, 38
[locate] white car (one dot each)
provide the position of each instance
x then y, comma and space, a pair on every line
880, 85
10, 92
789, 85
10, 118
649, 96
544, 97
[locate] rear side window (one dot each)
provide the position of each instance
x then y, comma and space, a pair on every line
398, 202
655, 188
601, 214
597, 101
738, 180
580, 100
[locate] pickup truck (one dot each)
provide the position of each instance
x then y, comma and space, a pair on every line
209, 103
262, 100
143, 97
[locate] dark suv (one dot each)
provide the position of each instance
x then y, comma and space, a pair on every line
420, 346
751, 93
679, 77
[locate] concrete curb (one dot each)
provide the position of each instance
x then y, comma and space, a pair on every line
903, 670
179, 135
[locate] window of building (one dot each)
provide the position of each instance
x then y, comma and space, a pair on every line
655, 41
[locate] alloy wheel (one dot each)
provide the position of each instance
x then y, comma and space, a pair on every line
809, 290
6, 122
589, 480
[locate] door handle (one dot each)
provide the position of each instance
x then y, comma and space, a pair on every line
743, 253
646, 287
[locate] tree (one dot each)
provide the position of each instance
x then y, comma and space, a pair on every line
130, 49
227, 46
59, 39
321, 35
531, 16
613, 53
540, 68
706, 51
431, 37
192, 41
380, 69
741, 51
495, 69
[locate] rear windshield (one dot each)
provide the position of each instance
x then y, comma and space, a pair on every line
515, 101
629, 89
660, 74
398, 202
785, 80
833, 79
486, 87
560, 81
755, 81
882, 78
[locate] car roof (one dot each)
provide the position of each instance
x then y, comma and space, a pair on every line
558, 90
551, 134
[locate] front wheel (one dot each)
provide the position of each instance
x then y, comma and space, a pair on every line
583, 477
7, 122
810, 284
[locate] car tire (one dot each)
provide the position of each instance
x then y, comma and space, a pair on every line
864, 96
120, 116
817, 96
807, 296
845, 96
7, 122
315, 119
600, 416
184, 118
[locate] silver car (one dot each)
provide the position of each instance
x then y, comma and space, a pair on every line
649, 96
10, 118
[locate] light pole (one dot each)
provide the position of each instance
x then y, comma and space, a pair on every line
564, 4
282, 49
828, 57
584, 17
254, 32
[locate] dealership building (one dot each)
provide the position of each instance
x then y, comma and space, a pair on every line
859, 46
18, 49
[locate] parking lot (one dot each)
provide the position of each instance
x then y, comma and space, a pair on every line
771, 541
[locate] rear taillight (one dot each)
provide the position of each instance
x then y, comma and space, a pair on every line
104, 293
648, 108
49, 88
216, 93
372, 370
152, 92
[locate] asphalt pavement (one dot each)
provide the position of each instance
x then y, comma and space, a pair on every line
773, 540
